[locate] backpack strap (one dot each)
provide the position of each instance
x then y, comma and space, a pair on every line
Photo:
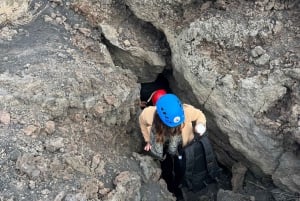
189, 166
211, 162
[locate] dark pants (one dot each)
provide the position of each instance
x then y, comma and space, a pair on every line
172, 173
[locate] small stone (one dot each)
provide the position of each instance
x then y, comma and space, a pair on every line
4, 117
53, 15
263, 35
53, 5
55, 144
76, 26
127, 43
59, 20
6, 29
95, 161
30, 130
276, 62
220, 4
205, 5
76, 197
14, 155
253, 33
68, 27
59, 2
47, 18
257, 51
61, 55
85, 31
31, 184
58, 14
278, 27
35, 173
60, 196
262, 60
45, 191
104, 191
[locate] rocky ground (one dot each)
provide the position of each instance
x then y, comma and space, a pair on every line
62, 137
68, 114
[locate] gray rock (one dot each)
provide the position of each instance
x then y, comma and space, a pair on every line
14, 155
262, 60
238, 175
75, 197
62, 73
128, 186
225, 195
242, 106
287, 174
54, 144
151, 170
257, 51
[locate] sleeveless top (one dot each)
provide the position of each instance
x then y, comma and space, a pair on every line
172, 143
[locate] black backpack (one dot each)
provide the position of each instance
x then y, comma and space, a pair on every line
198, 164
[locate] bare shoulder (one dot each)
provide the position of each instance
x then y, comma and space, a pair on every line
188, 107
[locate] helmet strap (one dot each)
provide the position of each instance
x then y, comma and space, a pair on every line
149, 99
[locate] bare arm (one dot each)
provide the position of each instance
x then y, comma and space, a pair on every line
145, 120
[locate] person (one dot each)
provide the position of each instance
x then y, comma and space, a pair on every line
159, 86
171, 121
167, 126
153, 98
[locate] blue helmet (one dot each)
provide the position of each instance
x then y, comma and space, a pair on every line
170, 110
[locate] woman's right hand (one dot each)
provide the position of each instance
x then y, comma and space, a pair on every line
143, 104
147, 147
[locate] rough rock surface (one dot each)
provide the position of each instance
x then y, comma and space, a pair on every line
68, 94
134, 44
65, 110
239, 61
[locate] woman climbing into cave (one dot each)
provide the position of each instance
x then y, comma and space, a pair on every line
172, 121
168, 126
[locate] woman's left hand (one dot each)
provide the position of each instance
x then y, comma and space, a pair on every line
200, 129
